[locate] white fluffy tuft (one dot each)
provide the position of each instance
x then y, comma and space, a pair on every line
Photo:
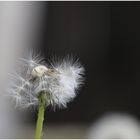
60, 82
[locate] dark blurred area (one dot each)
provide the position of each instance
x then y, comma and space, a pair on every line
81, 29
105, 36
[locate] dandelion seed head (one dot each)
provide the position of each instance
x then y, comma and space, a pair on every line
59, 81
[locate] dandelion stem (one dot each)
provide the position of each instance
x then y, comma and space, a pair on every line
39, 125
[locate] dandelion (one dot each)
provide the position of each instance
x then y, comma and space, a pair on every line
39, 84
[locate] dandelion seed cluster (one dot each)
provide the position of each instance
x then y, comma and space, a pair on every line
59, 81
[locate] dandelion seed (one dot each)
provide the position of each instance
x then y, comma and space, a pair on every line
60, 81
39, 84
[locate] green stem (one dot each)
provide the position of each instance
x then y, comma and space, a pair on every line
39, 125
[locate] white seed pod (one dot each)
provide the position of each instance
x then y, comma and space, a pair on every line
60, 80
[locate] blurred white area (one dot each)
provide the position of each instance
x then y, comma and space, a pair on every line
115, 126
19, 29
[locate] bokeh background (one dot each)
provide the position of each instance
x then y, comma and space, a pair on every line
105, 37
